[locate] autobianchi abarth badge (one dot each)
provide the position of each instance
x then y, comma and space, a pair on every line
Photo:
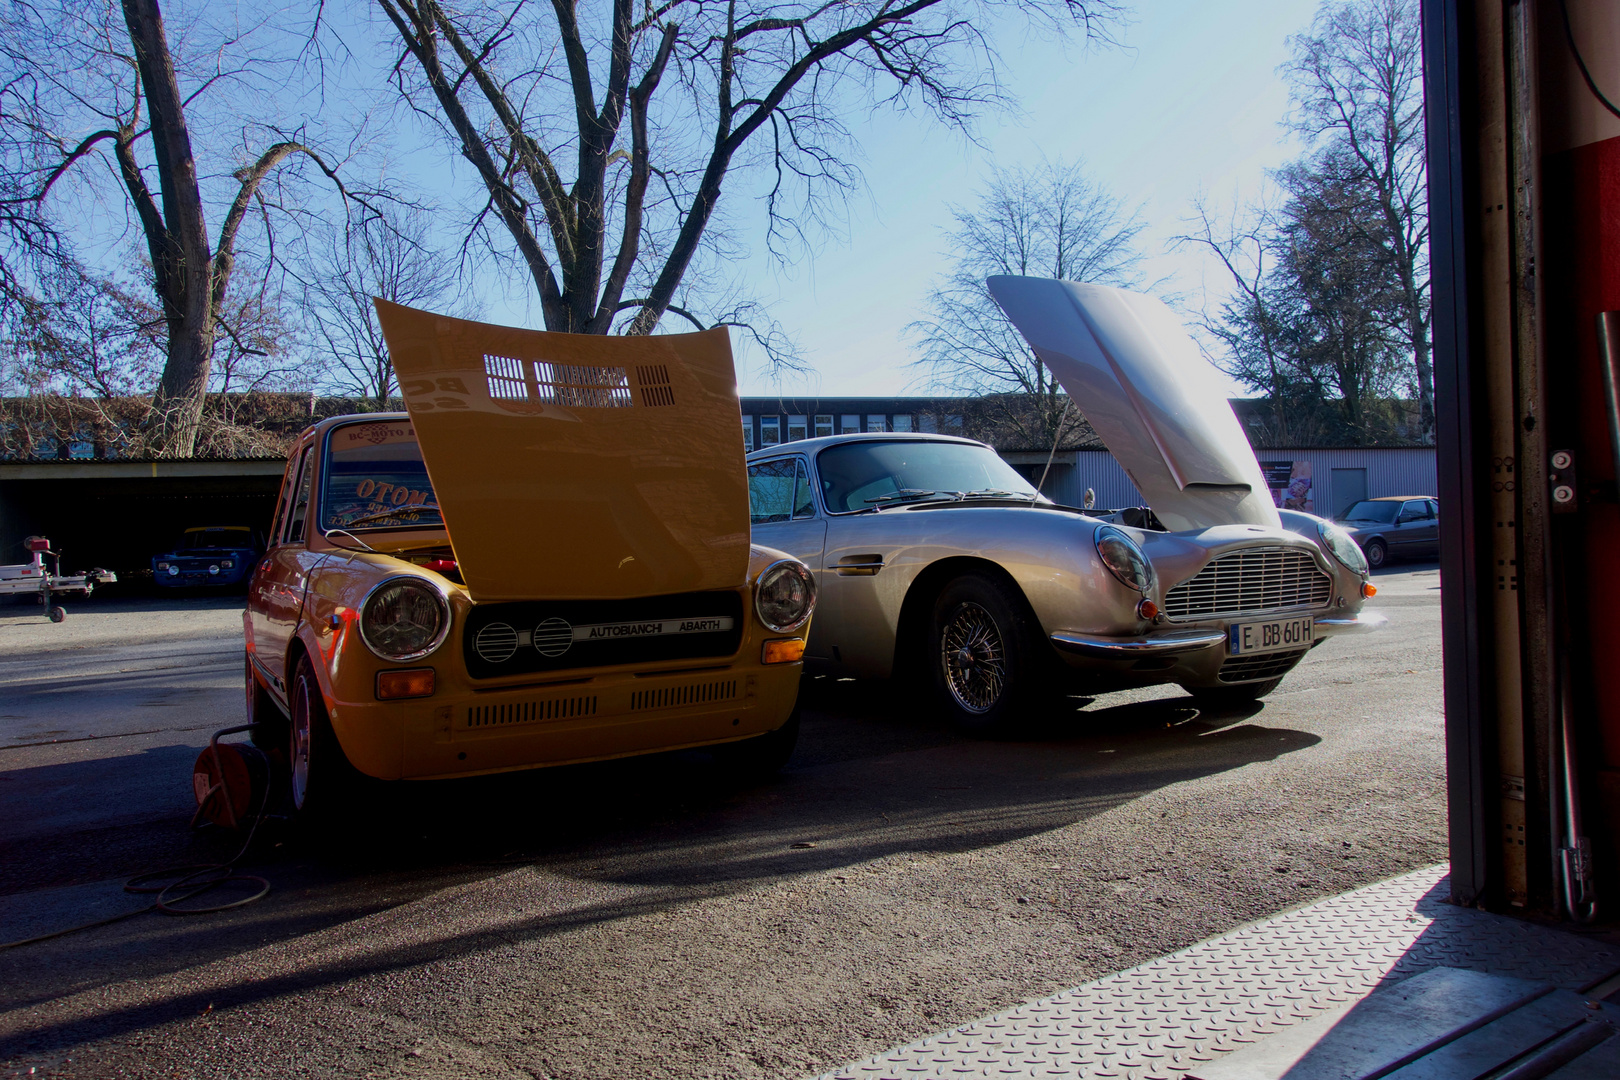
577, 465
511, 639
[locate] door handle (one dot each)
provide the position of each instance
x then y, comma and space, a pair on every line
859, 565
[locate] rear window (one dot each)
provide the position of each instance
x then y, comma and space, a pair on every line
375, 479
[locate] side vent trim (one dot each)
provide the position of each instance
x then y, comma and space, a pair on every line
669, 697
529, 712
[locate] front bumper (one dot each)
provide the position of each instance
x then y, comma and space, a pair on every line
460, 731
1168, 643
1191, 656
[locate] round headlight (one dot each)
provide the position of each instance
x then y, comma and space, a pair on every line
1343, 546
404, 618
1121, 555
173, 570
213, 568
785, 595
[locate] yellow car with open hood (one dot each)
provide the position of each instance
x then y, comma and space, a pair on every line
545, 560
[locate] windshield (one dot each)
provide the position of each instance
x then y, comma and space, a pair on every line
375, 479
1381, 513
213, 539
860, 475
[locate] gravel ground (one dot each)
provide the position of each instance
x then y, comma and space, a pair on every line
645, 919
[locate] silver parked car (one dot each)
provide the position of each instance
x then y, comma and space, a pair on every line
933, 557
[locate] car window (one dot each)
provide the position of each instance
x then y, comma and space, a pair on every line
854, 473
1434, 509
375, 479
1414, 510
299, 512
804, 503
771, 490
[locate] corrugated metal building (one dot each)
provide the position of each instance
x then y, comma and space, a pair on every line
1318, 481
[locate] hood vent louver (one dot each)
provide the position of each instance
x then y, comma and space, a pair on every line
522, 385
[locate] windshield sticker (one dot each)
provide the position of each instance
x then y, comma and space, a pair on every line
384, 493
379, 434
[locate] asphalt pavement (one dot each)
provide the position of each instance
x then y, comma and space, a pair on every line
651, 918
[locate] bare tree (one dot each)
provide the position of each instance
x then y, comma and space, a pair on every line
1050, 221
82, 335
387, 258
95, 86
1357, 79
1311, 318
607, 222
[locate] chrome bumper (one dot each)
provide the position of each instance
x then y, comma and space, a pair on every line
1361, 623
1129, 648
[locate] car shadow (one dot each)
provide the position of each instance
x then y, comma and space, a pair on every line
874, 776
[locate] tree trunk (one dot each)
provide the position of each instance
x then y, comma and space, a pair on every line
178, 242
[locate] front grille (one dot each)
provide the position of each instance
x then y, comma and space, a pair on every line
1250, 581
672, 696
529, 712
1264, 666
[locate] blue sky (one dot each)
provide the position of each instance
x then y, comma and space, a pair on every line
1191, 104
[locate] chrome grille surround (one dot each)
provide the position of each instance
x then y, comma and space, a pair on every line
1250, 581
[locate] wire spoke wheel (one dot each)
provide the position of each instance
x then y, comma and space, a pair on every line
974, 657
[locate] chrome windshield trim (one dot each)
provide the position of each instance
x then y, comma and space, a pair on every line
1120, 648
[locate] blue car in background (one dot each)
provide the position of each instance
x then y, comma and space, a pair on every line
216, 555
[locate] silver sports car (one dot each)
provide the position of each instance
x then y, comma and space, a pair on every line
934, 558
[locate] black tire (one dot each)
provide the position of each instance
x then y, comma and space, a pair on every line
989, 666
271, 735
1377, 553
762, 756
1218, 698
58, 613
321, 782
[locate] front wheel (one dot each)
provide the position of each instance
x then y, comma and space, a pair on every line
1377, 554
321, 778
985, 656
58, 613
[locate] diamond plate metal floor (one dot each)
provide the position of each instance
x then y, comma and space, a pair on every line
1162, 1019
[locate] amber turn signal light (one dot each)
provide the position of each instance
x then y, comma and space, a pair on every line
1369, 590
412, 682
1147, 609
783, 651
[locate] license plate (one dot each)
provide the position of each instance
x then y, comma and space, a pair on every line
1272, 635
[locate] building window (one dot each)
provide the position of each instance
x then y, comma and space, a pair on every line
770, 430
824, 426
875, 422
928, 422
902, 423
850, 425
748, 433
953, 425
796, 428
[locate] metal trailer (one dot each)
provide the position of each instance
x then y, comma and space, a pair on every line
46, 582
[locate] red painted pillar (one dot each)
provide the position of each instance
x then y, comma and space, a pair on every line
1579, 142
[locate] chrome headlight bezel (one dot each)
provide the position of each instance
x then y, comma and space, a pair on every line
1136, 570
1343, 547
440, 599
776, 569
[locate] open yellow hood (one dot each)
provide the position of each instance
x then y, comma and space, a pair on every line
575, 466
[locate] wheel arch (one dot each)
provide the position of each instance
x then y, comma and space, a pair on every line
917, 608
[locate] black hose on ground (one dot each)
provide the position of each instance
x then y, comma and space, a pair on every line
193, 881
